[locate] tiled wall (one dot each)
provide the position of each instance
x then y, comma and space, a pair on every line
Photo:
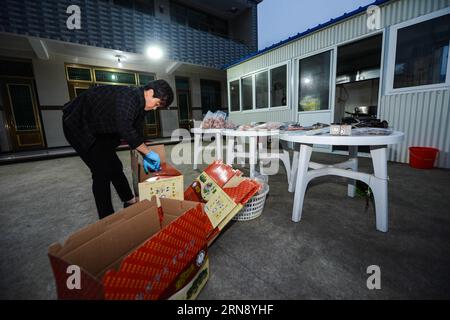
109, 26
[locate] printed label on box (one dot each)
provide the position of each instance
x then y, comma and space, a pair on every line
208, 186
193, 288
218, 207
164, 188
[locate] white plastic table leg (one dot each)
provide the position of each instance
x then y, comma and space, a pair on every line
253, 155
241, 150
219, 148
302, 181
353, 156
379, 186
285, 158
230, 150
197, 149
293, 172
262, 149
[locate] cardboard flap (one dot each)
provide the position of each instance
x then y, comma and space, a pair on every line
176, 207
54, 249
171, 211
154, 202
137, 168
167, 219
96, 255
94, 230
91, 288
167, 171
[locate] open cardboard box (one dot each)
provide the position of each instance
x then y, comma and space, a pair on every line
224, 191
167, 183
146, 251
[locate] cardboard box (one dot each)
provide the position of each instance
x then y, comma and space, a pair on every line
167, 183
224, 191
146, 251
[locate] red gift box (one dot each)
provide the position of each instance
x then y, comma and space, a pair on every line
145, 251
224, 191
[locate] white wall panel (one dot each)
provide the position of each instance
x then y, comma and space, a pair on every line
424, 117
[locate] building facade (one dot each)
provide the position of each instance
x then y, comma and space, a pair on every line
51, 51
391, 56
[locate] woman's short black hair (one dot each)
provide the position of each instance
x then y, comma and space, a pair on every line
161, 90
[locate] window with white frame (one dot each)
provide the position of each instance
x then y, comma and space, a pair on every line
278, 86
314, 82
421, 53
247, 93
262, 90
235, 104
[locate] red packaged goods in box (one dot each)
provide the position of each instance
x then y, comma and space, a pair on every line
224, 192
145, 251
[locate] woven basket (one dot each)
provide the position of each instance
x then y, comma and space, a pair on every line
254, 207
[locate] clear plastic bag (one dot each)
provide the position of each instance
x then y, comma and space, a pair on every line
230, 125
214, 120
208, 121
219, 120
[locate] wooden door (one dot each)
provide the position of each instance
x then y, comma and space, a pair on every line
22, 114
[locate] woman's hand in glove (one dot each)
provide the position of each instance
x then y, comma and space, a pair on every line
152, 162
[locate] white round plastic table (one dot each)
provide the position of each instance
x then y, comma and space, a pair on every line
198, 144
252, 135
378, 181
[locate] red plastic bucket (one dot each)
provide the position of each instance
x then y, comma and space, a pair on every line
422, 157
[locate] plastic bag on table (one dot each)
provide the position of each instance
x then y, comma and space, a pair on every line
219, 120
208, 121
245, 127
291, 126
271, 125
230, 125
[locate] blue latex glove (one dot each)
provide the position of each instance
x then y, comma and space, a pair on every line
152, 162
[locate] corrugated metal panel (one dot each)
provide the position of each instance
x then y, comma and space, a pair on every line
391, 13
305, 33
424, 117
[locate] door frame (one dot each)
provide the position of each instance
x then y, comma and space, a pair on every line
10, 118
188, 91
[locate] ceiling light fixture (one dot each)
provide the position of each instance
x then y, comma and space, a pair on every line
307, 80
154, 52
119, 62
